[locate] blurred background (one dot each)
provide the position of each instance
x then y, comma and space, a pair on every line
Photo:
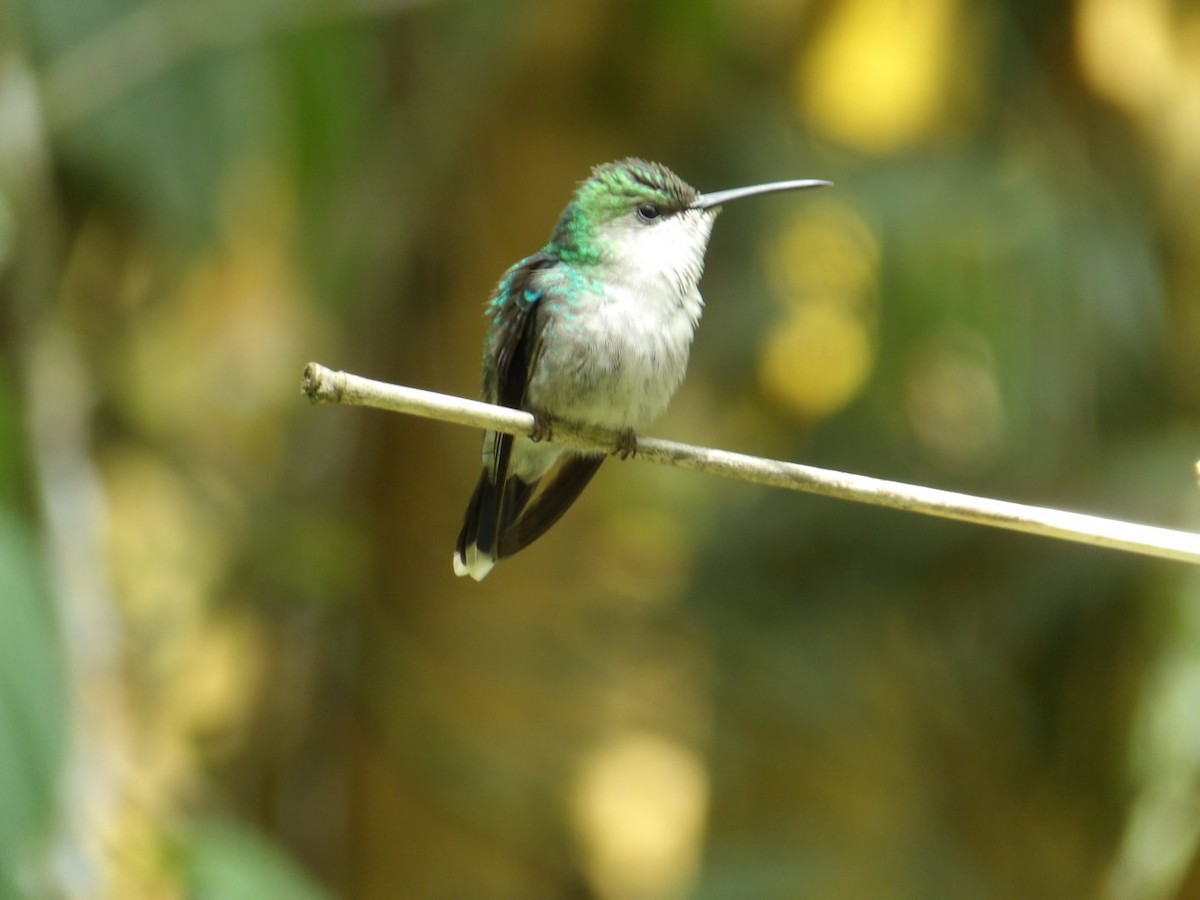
234, 660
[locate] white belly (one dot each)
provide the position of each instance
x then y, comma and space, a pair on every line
619, 364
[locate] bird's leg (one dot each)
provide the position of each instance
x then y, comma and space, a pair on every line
542, 430
626, 443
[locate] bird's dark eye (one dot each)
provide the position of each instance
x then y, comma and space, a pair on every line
648, 212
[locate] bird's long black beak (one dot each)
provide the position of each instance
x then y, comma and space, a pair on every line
708, 201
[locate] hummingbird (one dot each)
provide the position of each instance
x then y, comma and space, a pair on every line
595, 329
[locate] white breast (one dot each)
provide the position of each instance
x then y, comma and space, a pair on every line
621, 354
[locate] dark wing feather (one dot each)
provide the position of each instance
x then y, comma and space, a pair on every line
568, 483
511, 350
513, 340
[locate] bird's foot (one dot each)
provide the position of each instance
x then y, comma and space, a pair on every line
626, 443
542, 430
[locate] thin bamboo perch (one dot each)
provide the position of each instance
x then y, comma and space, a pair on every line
324, 385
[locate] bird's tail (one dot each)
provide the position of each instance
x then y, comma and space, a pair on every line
536, 518
492, 510
501, 519
469, 557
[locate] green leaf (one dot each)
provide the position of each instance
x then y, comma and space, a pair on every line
228, 861
32, 704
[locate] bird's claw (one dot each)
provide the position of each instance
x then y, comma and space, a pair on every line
542, 430
626, 444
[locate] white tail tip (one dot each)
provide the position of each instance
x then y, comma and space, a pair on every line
477, 565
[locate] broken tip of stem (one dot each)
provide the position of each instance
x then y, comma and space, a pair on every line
321, 385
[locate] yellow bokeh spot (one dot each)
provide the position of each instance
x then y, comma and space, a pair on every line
817, 359
880, 75
1125, 50
826, 249
953, 400
640, 804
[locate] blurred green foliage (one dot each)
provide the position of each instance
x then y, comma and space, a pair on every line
226, 862
33, 708
233, 658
